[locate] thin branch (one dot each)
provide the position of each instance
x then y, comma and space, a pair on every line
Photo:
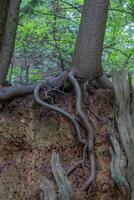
69, 4
118, 10
116, 49
58, 16
110, 45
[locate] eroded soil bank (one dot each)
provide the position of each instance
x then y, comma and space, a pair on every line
28, 135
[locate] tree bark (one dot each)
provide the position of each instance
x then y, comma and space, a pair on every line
8, 25
125, 120
89, 45
4, 4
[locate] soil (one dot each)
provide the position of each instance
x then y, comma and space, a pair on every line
28, 135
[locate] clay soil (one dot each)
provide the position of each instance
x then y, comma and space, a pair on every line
28, 135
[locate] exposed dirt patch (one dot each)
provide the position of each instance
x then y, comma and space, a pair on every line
28, 135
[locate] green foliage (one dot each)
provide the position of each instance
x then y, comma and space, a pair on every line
118, 48
47, 34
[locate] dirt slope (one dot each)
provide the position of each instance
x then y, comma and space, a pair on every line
28, 135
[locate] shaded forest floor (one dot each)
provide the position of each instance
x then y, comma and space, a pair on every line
28, 135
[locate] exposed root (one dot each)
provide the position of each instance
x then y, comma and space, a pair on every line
104, 82
74, 167
87, 125
59, 110
78, 120
9, 93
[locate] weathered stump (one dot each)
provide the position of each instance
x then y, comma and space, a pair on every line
125, 121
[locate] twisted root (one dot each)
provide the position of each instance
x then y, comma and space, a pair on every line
79, 119
87, 125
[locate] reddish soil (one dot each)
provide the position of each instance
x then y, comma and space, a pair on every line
28, 135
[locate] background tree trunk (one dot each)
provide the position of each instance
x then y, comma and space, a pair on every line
3, 18
8, 24
89, 46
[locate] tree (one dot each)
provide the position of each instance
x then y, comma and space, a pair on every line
9, 10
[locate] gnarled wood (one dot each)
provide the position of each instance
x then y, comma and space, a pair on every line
64, 186
8, 93
47, 190
118, 163
125, 116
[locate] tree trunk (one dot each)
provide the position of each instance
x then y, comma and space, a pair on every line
3, 18
9, 18
89, 46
